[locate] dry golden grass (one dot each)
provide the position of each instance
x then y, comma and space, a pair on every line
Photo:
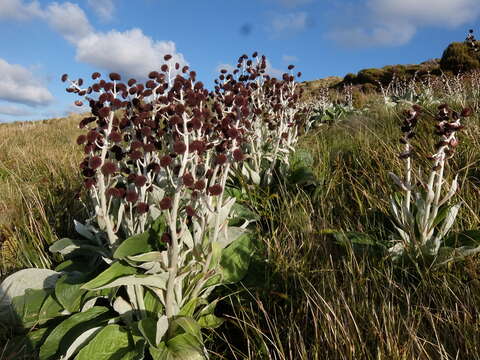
38, 179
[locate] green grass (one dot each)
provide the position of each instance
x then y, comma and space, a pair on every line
305, 297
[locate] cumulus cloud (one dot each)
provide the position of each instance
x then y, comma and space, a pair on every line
378, 35
13, 110
19, 85
103, 8
130, 52
19, 10
292, 22
69, 20
433, 12
395, 22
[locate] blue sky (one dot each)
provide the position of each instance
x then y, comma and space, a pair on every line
43, 39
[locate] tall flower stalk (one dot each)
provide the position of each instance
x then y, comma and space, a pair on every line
422, 214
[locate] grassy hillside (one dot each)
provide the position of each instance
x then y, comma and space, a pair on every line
306, 297
39, 180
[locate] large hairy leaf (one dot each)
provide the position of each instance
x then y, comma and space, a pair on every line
110, 343
60, 339
68, 290
18, 283
158, 281
114, 271
67, 246
147, 241
27, 307
181, 347
236, 259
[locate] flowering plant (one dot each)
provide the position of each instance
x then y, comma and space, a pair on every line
158, 157
422, 213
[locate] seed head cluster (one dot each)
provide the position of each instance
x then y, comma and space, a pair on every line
171, 135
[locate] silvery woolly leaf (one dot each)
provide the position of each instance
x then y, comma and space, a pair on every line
162, 327
124, 309
17, 284
67, 246
157, 194
229, 234
187, 238
84, 338
147, 257
223, 214
85, 230
451, 191
397, 251
157, 281
448, 222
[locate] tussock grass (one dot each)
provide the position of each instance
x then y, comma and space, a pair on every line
39, 179
312, 299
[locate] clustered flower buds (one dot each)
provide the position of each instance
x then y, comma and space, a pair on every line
171, 136
166, 147
261, 110
448, 124
471, 41
408, 129
416, 216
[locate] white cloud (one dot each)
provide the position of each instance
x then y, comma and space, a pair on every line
378, 35
395, 22
13, 110
130, 52
19, 10
431, 12
20, 86
103, 8
69, 20
289, 22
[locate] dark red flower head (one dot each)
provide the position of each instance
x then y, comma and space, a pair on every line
95, 162
89, 183
165, 161
115, 136
190, 211
166, 203
215, 190
140, 180
115, 76
131, 196
238, 155
221, 159
179, 147
188, 179
142, 208
136, 155
200, 185
81, 139
109, 168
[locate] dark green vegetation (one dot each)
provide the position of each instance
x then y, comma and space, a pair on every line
458, 57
